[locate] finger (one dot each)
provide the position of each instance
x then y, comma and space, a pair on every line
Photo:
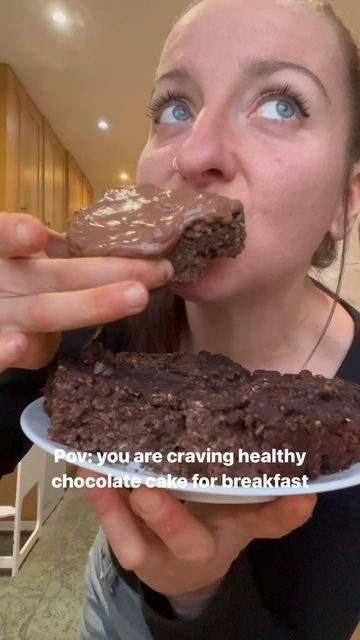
21, 235
118, 523
12, 348
185, 536
278, 518
38, 275
52, 312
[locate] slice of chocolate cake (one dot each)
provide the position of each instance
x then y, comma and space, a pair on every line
182, 402
188, 228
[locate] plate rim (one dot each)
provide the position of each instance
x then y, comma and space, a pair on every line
320, 485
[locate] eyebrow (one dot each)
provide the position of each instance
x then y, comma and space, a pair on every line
180, 74
259, 68
255, 68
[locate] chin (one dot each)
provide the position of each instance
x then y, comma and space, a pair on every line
188, 292
209, 286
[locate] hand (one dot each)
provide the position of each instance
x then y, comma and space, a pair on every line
41, 297
178, 548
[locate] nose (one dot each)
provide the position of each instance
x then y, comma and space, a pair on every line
207, 155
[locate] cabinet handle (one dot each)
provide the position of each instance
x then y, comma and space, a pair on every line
24, 209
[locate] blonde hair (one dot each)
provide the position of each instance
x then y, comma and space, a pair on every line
326, 253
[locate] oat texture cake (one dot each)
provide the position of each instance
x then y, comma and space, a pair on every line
188, 228
183, 402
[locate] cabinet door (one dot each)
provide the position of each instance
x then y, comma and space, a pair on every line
74, 182
54, 181
23, 146
11, 196
87, 192
30, 159
60, 212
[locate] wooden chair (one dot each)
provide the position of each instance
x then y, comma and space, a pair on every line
30, 472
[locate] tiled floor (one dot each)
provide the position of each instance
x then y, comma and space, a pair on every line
43, 602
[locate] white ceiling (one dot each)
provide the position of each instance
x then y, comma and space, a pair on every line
101, 67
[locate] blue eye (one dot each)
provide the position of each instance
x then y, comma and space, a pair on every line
162, 112
277, 110
175, 113
283, 104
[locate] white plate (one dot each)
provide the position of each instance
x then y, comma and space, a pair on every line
35, 424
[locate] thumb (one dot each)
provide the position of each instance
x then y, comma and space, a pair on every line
56, 246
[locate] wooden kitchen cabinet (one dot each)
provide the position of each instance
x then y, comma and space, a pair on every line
21, 148
87, 192
74, 185
54, 205
37, 175
79, 189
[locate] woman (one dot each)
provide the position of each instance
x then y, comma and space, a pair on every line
257, 100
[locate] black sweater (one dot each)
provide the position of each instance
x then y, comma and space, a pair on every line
304, 586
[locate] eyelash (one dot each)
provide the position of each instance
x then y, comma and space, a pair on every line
295, 96
154, 108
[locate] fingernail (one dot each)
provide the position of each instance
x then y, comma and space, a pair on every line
136, 297
168, 270
147, 503
25, 234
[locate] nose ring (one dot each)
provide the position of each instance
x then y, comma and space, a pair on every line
176, 166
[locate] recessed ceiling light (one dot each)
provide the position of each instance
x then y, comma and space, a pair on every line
102, 124
59, 17
124, 176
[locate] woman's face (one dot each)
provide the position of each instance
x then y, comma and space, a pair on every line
250, 97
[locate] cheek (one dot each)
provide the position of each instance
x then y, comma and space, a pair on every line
154, 165
294, 199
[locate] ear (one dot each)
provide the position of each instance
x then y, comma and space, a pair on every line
353, 202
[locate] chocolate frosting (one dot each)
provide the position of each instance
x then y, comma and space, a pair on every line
138, 221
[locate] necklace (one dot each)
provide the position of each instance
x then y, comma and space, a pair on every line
336, 299
323, 333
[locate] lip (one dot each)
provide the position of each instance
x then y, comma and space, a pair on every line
185, 188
